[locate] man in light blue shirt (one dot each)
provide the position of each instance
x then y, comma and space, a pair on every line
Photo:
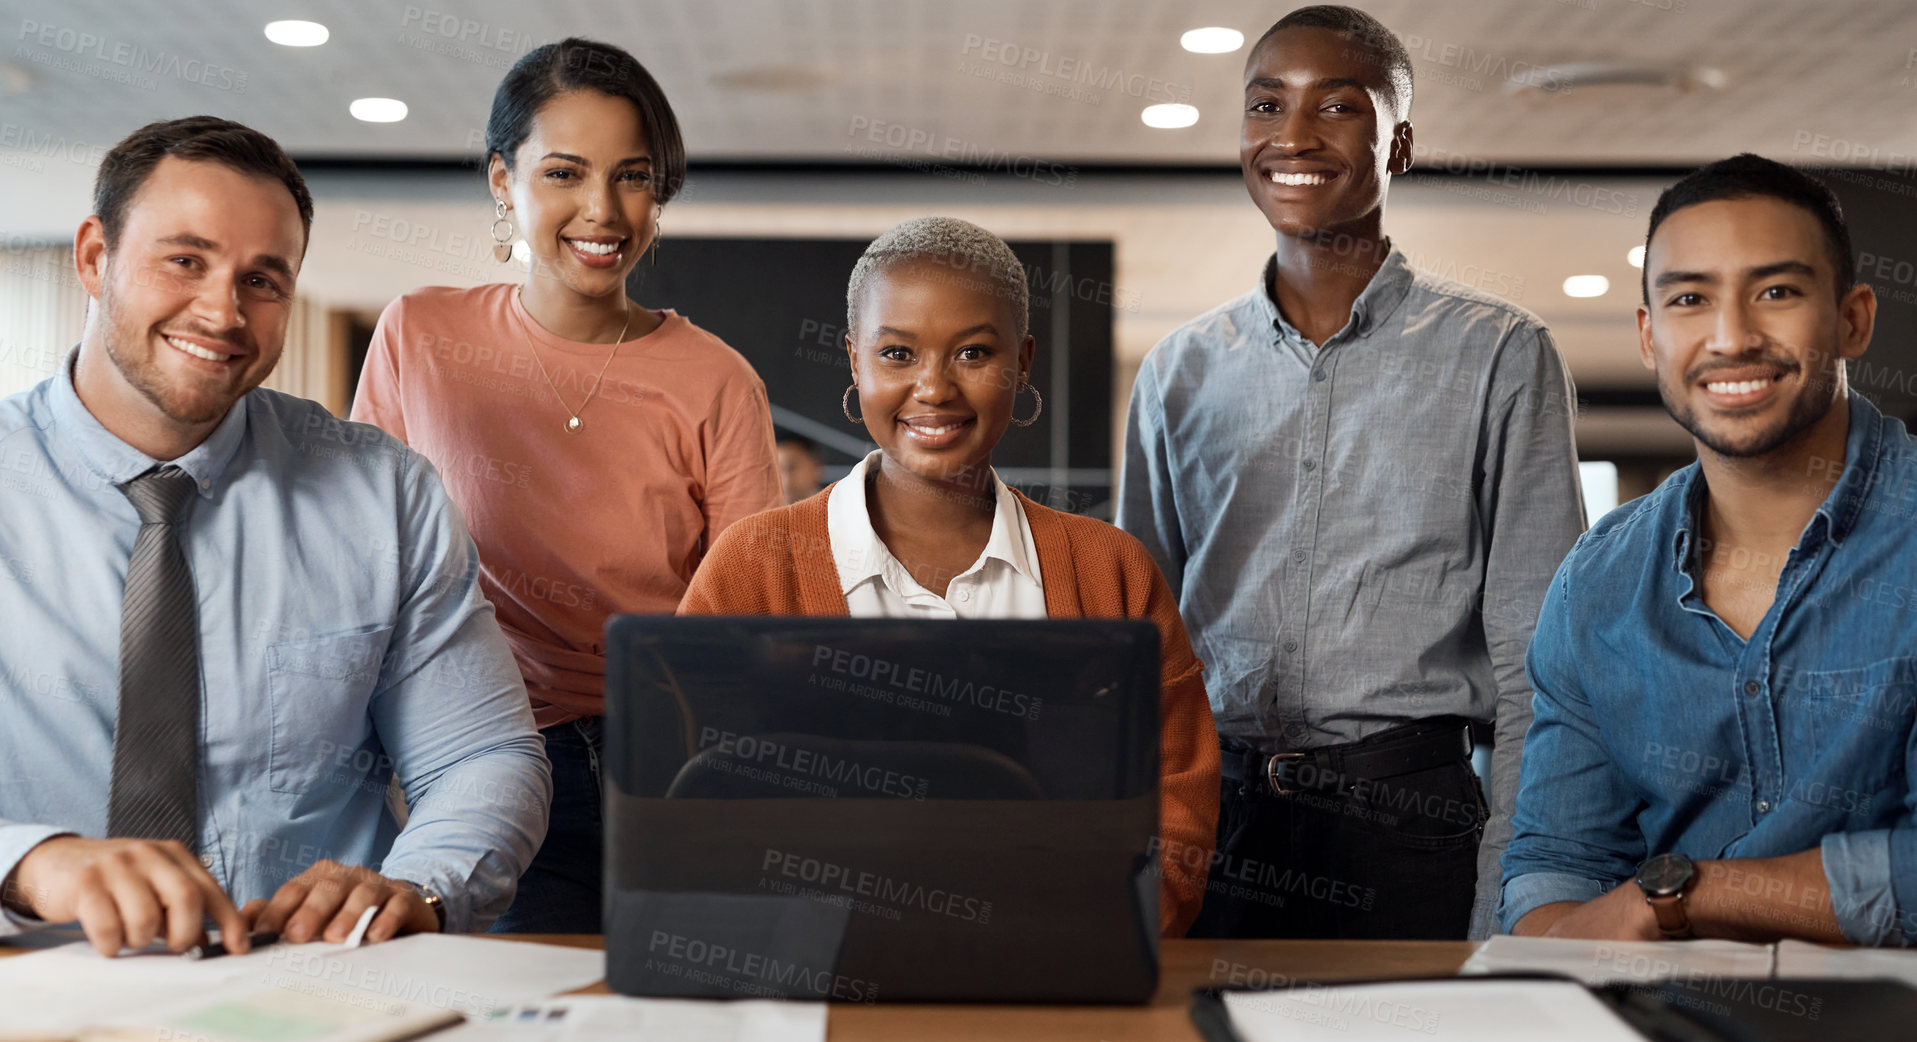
1358, 477
332, 604
1726, 711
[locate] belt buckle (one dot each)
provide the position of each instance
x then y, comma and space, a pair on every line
1271, 772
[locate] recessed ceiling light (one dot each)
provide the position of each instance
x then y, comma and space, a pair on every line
1212, 40
378, 110
1170, 116
1635, 258
297, 33
1571, 77
1586, 286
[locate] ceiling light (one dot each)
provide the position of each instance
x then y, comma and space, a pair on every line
1170, 116
378, 110
1573, 76
1586, 286
1635, 258
296, 33
1212, 40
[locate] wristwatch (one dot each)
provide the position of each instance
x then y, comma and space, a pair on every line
1665, 879
433, 901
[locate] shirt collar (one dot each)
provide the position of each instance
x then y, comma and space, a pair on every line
1388, 287
117, 462
1840, 509
865, 556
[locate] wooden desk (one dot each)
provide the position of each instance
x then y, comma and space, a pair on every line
1183, 965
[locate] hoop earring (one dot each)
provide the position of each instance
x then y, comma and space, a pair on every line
845, 404
502, 244
1038, 403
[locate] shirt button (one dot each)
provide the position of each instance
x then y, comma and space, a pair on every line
206, 483
965, 595
1752, 687
1291, 646
1763, 806
1311, 464
206, 861
1298, 556
1319, 376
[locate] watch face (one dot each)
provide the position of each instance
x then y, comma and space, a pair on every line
1665, 874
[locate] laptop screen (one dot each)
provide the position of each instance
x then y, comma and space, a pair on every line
868, 801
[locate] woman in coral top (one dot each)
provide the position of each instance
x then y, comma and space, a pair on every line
596, 448
937, 317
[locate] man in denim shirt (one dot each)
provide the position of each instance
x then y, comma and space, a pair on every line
1726, 669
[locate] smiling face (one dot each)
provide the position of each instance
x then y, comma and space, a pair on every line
191, 305
1743, 328
1320, 138
580, 188
937, 367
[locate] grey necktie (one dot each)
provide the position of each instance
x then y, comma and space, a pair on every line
156, 745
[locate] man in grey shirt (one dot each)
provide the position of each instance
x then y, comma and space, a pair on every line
1359, 479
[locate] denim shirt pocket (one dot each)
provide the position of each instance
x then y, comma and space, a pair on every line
318, 691
1854, 727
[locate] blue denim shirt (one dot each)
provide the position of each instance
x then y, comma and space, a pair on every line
1658, 729
343, 642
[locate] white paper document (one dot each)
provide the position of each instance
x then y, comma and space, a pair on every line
1461, 1010
1804, 959
74, 987
1603, 962
610, 1018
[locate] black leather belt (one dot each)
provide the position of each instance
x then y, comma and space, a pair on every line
1399, 750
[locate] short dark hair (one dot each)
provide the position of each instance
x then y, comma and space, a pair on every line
575, 64
1745, 175
207, 138
1360, 28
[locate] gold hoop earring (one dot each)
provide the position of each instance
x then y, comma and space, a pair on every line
845, 404
1038, 404
502, 243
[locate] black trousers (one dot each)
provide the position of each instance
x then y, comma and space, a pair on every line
1395, 858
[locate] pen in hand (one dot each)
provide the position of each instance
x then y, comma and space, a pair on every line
215, 949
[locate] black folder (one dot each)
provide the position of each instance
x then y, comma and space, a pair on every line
1696, 1009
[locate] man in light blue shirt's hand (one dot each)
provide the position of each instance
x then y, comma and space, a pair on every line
1726, 681
232, 620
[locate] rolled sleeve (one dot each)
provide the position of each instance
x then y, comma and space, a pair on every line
456, 719
1529, 892
1576, 815
1858, 866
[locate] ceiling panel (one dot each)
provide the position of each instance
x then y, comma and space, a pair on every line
811, 79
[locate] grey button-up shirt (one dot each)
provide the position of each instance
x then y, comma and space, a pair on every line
1360, 534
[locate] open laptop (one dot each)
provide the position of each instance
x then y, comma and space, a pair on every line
877, 810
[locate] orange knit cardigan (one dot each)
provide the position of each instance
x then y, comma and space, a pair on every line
780, 562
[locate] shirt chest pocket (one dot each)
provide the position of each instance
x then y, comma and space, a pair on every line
1852, 723
317, 691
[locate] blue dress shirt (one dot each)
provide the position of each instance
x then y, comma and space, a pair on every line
343, 641
1658, 729
1360, 534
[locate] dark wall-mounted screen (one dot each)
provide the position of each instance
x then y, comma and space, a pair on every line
781, 303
